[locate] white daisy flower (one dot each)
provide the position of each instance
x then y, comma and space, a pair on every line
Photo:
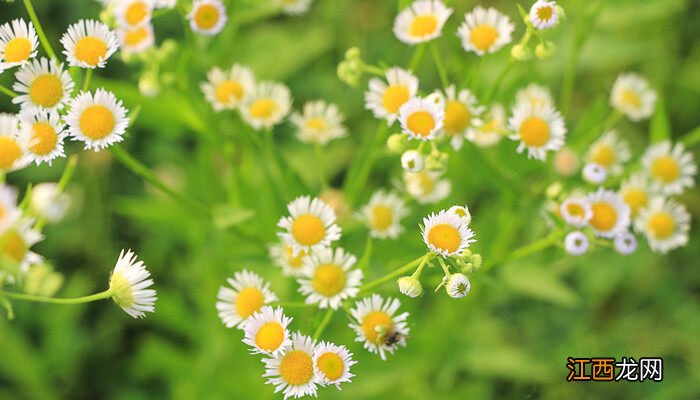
385, 99
461, 114
157, 4
446, 234
485, 30
421, 119
632, 96
625, 243
576, 211
319, 123
410, 286
610, 214
427, 187
44, 133
136, 39
490, 128
266, 331
13, 146
376, 325
133, 13
98, 120
671, 169
267, 105
462, 212
566, 162
383, 214
248, 294
283, 255
412, 161
576, 243
665, 223
332, 363
42, 85
543, 14
328, 278
609, 152
457, 286
48, 201
422, 21
18, 43
295, 7
16, 241
88, 44
9, 212
129, 285
636, 193
292, 371
538, 128
310, 225
227, 89
594, 173
207, 17
535, 94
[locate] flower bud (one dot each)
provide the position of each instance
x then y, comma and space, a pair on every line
477, 261
412, 161
42, 280
410, 286
566, 162
457, 286
554, 190
521, 52
148, 84
397, 143
437, 162
545, 50
353, 53
594, 173
48, 202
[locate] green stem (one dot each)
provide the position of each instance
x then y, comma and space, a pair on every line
691, 138
361, 168
39, 30
444, 266
420, 261
66, 176
292, 304
532, 248
372, 69
477, 72
41, 299
7, 91
497, 84
321, 166
417, 56
324, 323
86, 82
440, 67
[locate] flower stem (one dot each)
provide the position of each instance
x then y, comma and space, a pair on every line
324, 323
86, 82
499, 79
417, 56
66, 176
361, 168
420, 261
298, 304
321, 166
532, 248
440, 67
53, 300
7, 91
39, 30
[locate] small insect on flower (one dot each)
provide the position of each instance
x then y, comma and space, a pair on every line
485, 30
310, 225
376, 325
129, 285
461, 114
227, 89
328, 278
18, 43
632, 96
625, 243
385, 99
332, 363
594, 173
383, 214
422, 21
98, 120
446, 234
410, 286
207, 17
266, 331
42, 85
635, 192
457, 286
292, 371
320, 123
412, 161
248, 294
537, 95
576, 211
609, 152
665, 223
543, 14
133, 13
671, 169
610, 214
295, 7
489, 129
576, 243
13, 146
44, 133
88, 44
539, 128
427, 186
282, 254
268, 104
136, 39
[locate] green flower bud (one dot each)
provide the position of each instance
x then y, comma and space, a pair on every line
397, 143
477, 261
410, 286
353, 53
520, 52
42, 280
545, 50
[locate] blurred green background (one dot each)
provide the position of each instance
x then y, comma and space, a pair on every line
508, 339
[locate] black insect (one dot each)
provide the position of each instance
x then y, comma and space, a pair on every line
392, 338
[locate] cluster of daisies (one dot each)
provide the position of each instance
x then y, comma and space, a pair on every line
132, 20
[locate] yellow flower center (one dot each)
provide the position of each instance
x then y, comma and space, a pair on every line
308, 230
635, 198
534, 132
423, 25
18, 49
328, 280
631, 98
295, 261
14, 246
135, 36
394, 97
426, 182
9, 152
603, 155
229, 91
445, 237
604, 216
207, 16
248, 301
420, 123
270, 336
263, 108
665, 169
575, 210
317, 124
97, 122
136, 13
545, 13
484, 36
662, 225
376, 325
331, 366
297, 368
46, 90
44, 139
382, 217
90, 50
457, 117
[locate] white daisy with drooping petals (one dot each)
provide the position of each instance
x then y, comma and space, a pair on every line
457, 286
130, 283
18, 43
207, 17
665, 223
576, 210
268, 104
295, 7
636, 192
247, 294
385, 99
462, 114
292, 371
422, 21
485, 30
610, 215
632, 96
421, 119
13, 147
89, 44
133, 13
446, 234
332, 362
538, 128
490, 128
427, 187
136, 39
310, 225
282, 254
328, 278
42, 85
576, 243
320, 123
266, 331
383, 214
227, 89
374, 323
97, 120
543, 14
610, 152
670, 168
44, 133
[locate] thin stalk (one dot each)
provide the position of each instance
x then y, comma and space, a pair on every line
420, 261
417, 56
356, 178
475, 77
7, 91
324, 323
691, 138
439, 65
297, 304
499, 79
39, 30
321, 166
532, 248
53, 300
66, 176
372, 69
86, 82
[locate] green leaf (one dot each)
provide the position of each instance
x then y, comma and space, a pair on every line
660, 127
